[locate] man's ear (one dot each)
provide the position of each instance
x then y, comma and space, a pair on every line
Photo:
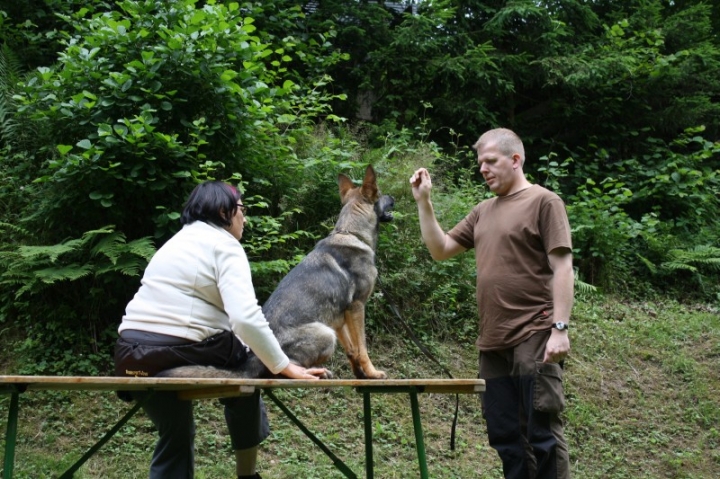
517, 161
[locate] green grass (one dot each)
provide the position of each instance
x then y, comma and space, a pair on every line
643, 387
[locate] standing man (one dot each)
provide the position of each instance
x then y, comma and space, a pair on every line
524, 294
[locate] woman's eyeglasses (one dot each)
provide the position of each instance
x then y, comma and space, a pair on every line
242, 208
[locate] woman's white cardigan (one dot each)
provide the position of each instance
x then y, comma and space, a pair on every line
198, 284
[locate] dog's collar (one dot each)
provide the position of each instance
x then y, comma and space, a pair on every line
348, 232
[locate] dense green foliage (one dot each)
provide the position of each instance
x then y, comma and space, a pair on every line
144, 101
110, 112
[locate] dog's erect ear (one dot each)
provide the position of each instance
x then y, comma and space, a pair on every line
369, 186
345, 185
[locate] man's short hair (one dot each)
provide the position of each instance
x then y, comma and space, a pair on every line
507, 141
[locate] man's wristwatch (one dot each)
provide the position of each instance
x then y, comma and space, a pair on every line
560, 326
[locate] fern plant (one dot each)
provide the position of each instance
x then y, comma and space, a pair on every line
694, 259
699, 262
10, 75
97, 253
583, 288
65, 298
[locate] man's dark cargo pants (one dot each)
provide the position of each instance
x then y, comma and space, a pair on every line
521, 406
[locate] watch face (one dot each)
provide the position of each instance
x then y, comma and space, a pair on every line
560, 326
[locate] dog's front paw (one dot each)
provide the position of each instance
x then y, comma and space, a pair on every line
378, 375
328, 375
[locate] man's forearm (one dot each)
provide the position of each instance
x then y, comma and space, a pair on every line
432, 234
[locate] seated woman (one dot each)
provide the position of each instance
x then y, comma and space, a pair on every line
197, 306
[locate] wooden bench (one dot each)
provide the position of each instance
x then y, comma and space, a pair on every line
205, 388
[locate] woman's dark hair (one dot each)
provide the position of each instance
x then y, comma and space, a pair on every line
212, 202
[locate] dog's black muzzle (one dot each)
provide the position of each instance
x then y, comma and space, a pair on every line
383, 208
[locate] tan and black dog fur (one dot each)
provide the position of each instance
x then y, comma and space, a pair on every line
323, 298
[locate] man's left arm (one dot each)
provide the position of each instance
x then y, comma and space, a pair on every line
563, 283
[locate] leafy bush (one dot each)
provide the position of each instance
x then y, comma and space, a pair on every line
599, 224
61, 295
147, 99
625, 225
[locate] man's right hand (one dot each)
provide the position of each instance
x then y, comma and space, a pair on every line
421, 185
440, 245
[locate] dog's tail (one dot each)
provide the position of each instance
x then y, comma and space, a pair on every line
205, 372
253, 368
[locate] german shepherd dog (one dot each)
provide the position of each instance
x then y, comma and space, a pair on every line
322, 299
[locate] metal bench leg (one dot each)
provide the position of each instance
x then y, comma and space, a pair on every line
419, 442
367, 416
11, 437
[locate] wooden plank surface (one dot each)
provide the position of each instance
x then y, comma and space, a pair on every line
112, 383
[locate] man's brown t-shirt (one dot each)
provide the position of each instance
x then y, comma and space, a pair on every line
512, 236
